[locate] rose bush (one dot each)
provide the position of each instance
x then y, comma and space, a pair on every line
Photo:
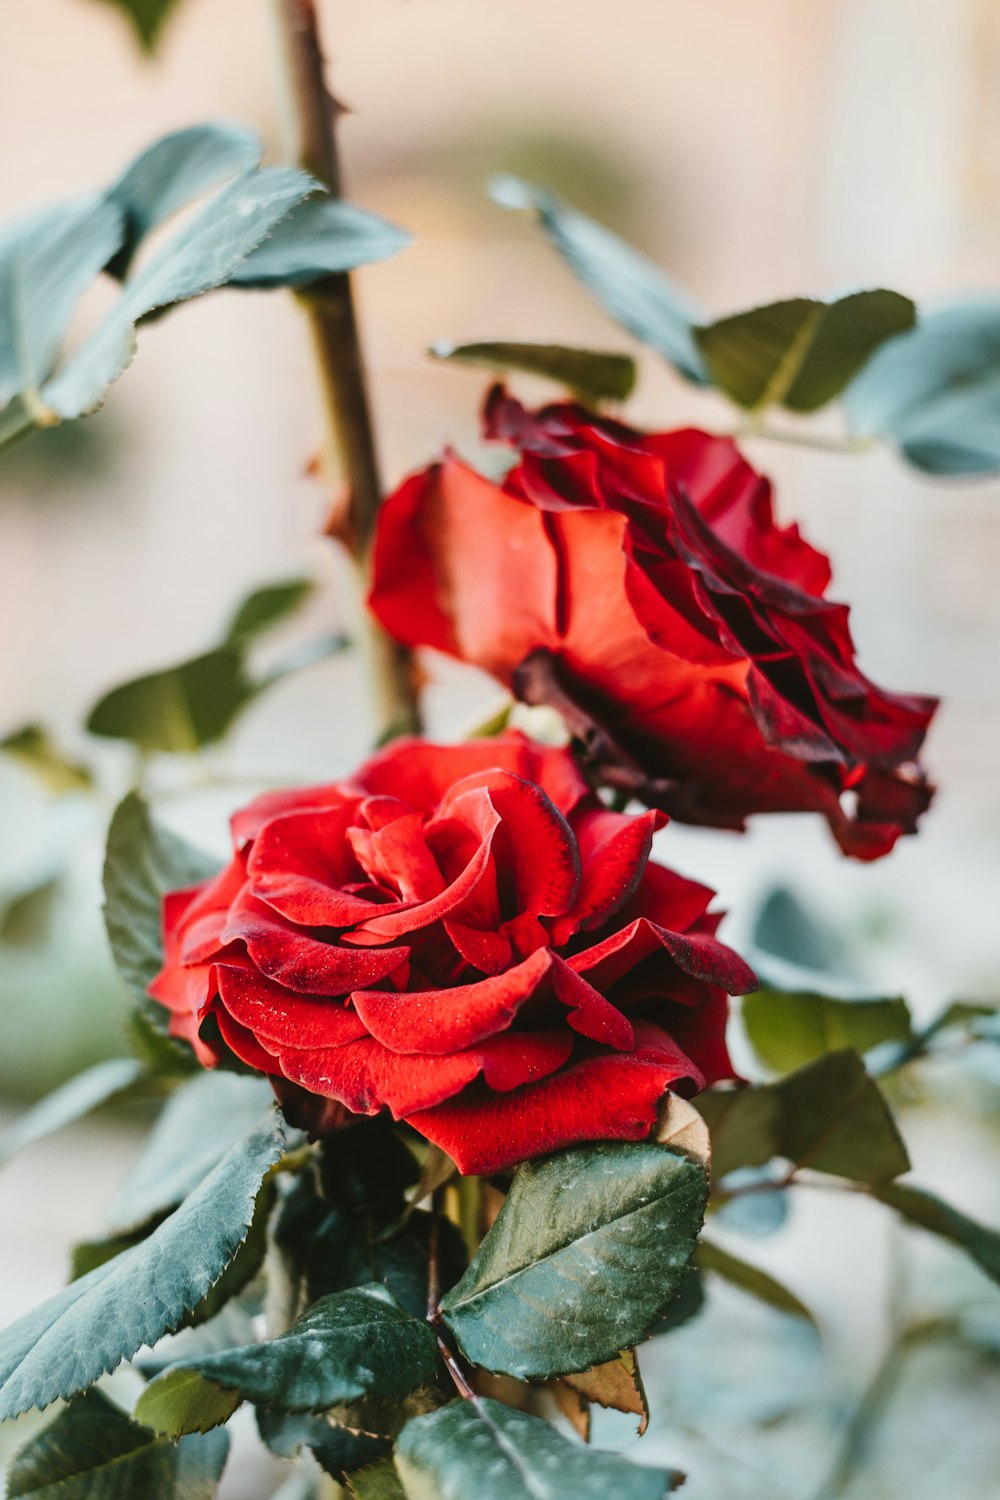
639, 583
464, 935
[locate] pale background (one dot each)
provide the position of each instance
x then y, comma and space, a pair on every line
757, 149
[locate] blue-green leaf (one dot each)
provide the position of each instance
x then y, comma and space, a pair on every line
347, 1346
320, 237
173, 171
481, 1447
98, 1085
205, 253
93, 1451
935, 393
87, 1329
637, 294
589, 1249
48, 259
143, 861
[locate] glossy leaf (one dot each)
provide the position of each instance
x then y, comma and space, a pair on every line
800, 353
87, 1329
93, 1451
142, 861
593, 376
203, 254
98, 1085
752, 1279
201, 1122
635, 292
589, 1248
266, 607
320, 237
935, 393
918, 1206
348, 1346
789, 1029
48, 259
172, 172
484, 1448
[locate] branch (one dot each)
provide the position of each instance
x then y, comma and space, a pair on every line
349, 447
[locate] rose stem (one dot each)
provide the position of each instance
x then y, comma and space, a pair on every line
349, 445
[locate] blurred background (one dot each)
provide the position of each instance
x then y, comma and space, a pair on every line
756, 149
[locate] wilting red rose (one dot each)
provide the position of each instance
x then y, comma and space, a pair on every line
464, 935
639, 583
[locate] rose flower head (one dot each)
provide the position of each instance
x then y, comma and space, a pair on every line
462, 935
639, 583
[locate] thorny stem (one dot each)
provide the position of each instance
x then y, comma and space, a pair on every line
451, 1361
349, 448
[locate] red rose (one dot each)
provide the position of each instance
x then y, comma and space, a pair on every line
464, 935
639, 583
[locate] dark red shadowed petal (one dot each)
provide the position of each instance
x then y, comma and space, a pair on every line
299, 863
613, 854
611, 1097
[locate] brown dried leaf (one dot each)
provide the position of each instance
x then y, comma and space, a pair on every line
616, 1384
680, 1125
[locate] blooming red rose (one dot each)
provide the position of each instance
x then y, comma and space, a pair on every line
464, 935
639, 583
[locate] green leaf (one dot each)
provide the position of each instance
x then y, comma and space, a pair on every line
749, 1278
142, 862
320, 237
803, 352
181, 708
200, 1123
484, 1448
636, 293
379, 1481
594, 376
591, 1245
266, 607
829, 1116
26, 917
202, 255
935, 393
48, 259
93, 1451
87, 1091
744, 1125
789, 1029
32, 748
834, 1119
348, 1346
147, 18
93, 1324
162, 1056
174, 170
926, 1210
